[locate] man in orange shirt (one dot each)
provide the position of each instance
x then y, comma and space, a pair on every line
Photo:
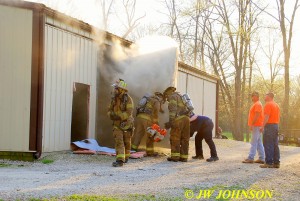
270, 128
255, 122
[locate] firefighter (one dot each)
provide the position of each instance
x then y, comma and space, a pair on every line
147, 115
179, 124
120, 112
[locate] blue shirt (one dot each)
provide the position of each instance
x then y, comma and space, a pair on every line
198, 124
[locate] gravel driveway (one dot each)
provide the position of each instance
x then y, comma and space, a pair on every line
72, 174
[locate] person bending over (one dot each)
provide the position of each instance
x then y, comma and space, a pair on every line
203, 126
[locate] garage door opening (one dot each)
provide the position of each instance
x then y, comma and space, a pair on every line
80, 112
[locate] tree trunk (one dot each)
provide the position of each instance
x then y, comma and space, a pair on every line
237, 117
251, 61
286, 41
286, 94
195, 51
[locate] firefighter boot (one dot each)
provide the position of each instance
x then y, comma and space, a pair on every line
182, 159
172, 159
117, 164
154, 154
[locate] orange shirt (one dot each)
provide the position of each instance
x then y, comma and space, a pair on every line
272, 109
256, 107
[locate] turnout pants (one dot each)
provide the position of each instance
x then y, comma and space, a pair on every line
139, 132
122, 144
179, 138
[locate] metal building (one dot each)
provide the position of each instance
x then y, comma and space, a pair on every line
49, 81
202, 89
48, 75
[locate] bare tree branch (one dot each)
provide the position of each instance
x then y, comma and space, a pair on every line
106, 11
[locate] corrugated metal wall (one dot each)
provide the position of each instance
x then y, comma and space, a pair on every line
70, 56
15, 77
209, 99
181, 82
195, 91
202, 92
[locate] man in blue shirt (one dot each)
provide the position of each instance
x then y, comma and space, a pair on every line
203, 126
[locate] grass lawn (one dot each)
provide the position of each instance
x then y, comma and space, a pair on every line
229, 136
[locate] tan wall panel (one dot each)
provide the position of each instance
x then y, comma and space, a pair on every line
15, 77
181, 82
195, 91
202, 93
69, 58
210, 99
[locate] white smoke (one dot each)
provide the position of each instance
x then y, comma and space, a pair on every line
147, 66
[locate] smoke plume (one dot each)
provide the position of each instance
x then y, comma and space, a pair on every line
149, 65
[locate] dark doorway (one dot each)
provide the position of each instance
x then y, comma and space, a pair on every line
80, 112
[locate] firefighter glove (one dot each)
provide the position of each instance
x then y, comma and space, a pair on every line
114, 117
169, 125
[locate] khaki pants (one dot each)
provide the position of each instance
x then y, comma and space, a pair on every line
139, 132
122, 144
179, 138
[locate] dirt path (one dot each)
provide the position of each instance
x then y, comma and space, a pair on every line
71, 174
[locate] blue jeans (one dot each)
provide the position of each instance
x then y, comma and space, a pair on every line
271, 144
256, 144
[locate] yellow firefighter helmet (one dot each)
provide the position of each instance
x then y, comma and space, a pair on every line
169, 90
120, 84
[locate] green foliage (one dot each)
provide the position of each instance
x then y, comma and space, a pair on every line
139, 197
215, 188
229, 136
225, 187
47, 161
295, 103
91, 198
264, 86
170, 199
130, 197
4, 165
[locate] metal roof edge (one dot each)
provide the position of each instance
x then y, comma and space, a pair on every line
22, 4
91, 29
196, 71
65, 18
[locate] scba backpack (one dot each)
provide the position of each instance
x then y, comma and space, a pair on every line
141, 108
187, 102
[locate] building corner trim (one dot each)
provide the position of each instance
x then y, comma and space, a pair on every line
37, 83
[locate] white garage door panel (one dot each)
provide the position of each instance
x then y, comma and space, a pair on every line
210, 100
195, 91
15, 77
181, 82
69, 58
